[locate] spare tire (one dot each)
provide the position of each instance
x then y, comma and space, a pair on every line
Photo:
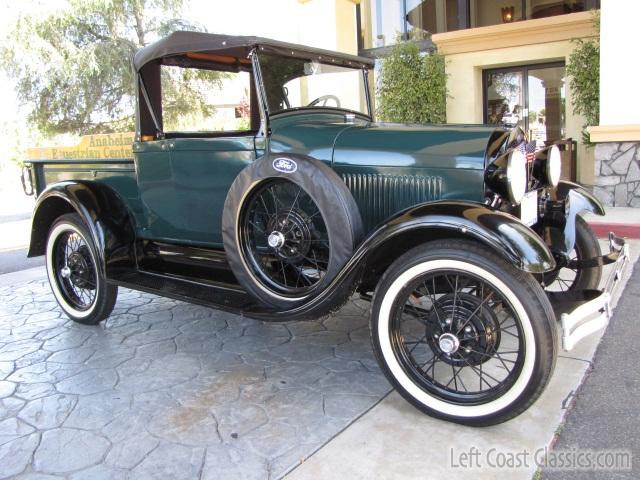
289, 225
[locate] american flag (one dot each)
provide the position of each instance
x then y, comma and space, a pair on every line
529, 150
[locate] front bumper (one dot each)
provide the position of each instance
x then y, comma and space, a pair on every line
594, 306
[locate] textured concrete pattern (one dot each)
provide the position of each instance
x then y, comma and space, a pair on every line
165, 389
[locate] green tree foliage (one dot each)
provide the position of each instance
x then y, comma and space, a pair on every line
412, 87
583, 70
73, 67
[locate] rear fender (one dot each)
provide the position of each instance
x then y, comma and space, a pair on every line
103, 212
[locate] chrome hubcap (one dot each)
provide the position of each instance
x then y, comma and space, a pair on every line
276, 240
449, 343
65, 272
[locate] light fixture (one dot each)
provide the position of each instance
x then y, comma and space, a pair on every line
507, 14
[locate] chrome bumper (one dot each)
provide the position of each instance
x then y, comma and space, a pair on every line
591, 316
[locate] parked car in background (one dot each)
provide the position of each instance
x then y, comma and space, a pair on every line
462, 242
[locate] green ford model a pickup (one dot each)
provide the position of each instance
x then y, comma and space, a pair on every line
463, 239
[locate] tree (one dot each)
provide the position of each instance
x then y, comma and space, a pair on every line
73, 67
412, 87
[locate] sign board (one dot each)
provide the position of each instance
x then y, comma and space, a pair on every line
112, 145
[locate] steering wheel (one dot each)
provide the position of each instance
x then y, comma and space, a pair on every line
324, 99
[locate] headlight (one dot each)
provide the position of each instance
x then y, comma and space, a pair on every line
516, 176
508, 176
553, 167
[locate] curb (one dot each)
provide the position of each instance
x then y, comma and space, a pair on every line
627, 230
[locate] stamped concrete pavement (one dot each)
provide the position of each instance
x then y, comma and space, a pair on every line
165, 389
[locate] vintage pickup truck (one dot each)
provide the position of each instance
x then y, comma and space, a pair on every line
463, 240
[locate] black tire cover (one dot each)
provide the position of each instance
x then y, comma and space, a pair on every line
332, 197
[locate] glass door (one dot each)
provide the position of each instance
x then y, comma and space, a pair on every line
546, 104
532, 97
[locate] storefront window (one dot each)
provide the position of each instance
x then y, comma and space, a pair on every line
382, 21
546, 103
494, 12
550, 8
434, 16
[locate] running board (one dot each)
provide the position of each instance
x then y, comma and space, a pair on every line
222, 296
228, 297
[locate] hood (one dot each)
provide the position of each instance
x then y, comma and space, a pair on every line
404, 145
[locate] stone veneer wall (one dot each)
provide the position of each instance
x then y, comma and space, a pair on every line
617, 174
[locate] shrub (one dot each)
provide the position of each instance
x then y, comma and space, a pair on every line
412, 87
583, 70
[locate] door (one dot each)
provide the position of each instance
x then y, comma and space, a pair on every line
183, 184
532, 97
202, 173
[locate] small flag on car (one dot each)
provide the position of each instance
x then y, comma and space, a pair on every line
529, 150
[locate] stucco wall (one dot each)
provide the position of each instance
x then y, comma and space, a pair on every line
619, 66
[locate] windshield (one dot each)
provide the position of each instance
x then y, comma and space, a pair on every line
296, 83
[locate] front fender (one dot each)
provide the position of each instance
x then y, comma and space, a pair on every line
103, 212
499, 231
576, 200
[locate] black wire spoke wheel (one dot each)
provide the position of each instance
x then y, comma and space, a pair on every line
457, 337
567, 278
75, 270
76, 282
284, 237
462, 334
289, 232
563, 279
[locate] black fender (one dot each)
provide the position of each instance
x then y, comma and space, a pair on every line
104, 213
576, 201
565, 203
498, 231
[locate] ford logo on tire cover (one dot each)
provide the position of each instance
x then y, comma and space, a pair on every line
285, 165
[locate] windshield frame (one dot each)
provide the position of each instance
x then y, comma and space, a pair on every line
264, 103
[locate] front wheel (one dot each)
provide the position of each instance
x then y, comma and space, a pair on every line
462, 334
72, 267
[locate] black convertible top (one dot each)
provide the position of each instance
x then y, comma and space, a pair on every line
180, 43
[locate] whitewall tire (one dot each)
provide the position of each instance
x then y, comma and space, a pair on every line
72, 269
462, 334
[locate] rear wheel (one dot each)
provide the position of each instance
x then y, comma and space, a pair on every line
462, 334
76, 282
